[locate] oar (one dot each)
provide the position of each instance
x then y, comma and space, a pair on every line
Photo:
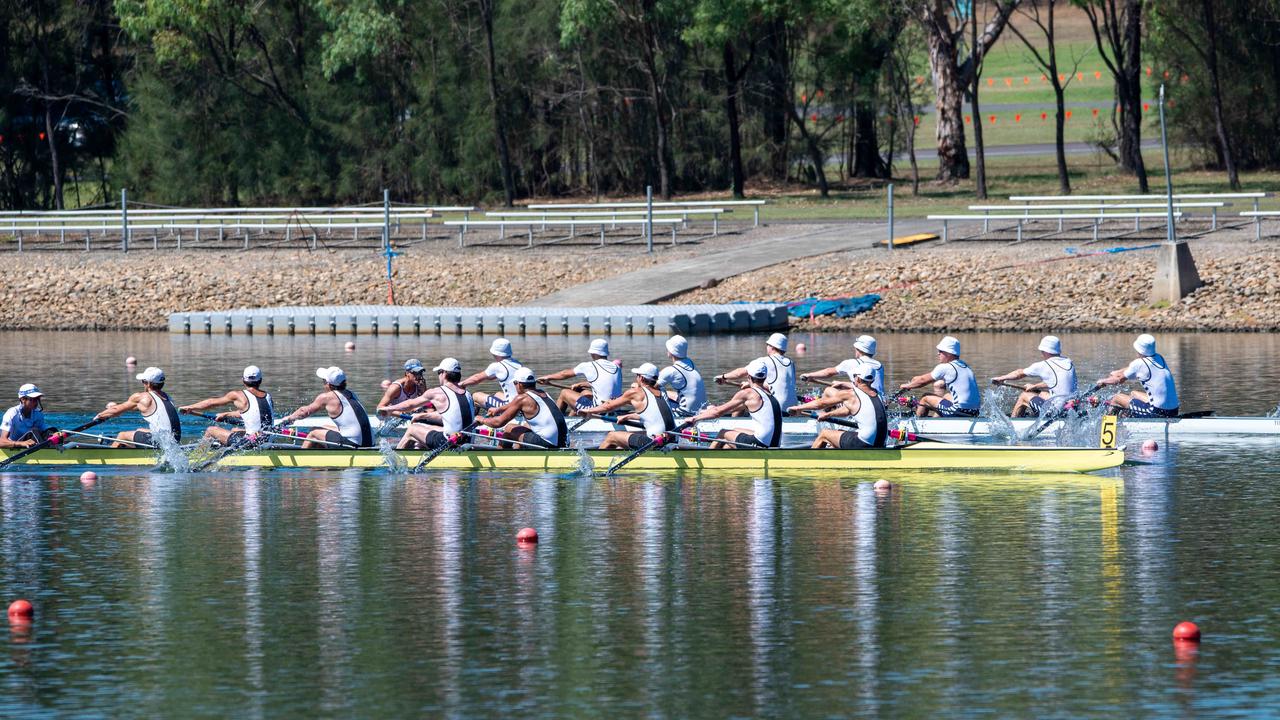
1195, 414
1052, 417
271, 433
832, 420
53, 439
653, 442
502, 438
106, 439
608, 418
909, 438
448, 443
1006, 383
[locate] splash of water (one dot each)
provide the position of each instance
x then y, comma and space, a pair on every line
586, 466
171, 453
993, 402
1276, 412
395, 462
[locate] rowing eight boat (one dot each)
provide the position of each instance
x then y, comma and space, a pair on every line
919, 456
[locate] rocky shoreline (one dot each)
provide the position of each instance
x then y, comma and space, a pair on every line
960, 286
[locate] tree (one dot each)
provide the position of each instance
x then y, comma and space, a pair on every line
1117, 33
1044, 51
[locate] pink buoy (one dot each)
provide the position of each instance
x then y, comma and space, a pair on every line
21, 609
349, 346
527, 536
1186, 631
130, 361
88, 477
883, 485
801, 348
1150, 446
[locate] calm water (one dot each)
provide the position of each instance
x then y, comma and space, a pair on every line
264, 594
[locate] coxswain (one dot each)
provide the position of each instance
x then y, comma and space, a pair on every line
648, 405
603, 380
761, 406
411, 386
781, 379
1057, 384
503, 370
862, 405
962, 397
23, 424
544, 424
156, 408
350, 427
452, 409
1159, 395
685, 389
252, 406
864, 350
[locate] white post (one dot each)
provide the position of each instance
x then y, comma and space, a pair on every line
648, 222
1168, 177
124, 220
890, 213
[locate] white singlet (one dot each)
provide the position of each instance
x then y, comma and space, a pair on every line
868, 419
850, 368
503, 371
683, 377
352, 423
960, 383
544, 421
605, 378
1156, 378
767, 420
163, 419
259, 414
1059, 374
781, 379
458, 411
656, 415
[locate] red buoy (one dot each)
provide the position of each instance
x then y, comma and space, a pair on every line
1186, 631
21, 609
527, 536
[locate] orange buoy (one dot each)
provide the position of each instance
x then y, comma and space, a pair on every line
527, 536
1184, 631
20, 609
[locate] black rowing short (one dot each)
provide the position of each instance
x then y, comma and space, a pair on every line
435, 439
529, 437
850, 441
1143, 409
745, 439
337, 438
637, 440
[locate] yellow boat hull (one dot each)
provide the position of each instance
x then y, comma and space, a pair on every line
920, 456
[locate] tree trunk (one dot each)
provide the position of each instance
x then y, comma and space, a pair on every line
499, 129
953, 158
815, 153
735, 124
1211, 56
1059, 128
866, 146
1129, 90
777, 96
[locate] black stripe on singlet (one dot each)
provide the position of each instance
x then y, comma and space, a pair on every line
264, 408
775, 439
464, 406
562, 429
175, 421
366, 431
664, 407
882, 422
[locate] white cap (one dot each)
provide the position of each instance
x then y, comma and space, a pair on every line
151, 375
866, 373
332, 375
648, 370
866, 344
29, 391
600, 347
253, 373
501, 346
449, 365
777, 340
678, 346
1145, 344
1051, 344
414, 366
950, 345
525, 376
758, 368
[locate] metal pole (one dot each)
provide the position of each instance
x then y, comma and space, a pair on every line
890, 190
124, 220
1168, 177
386, 222
648, 222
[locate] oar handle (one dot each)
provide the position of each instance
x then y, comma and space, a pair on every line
832, 420
214, 418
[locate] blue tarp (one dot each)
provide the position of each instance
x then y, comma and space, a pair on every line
840, 307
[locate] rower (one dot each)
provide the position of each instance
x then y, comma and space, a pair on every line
411, 386
862, 404
962, 397
781, 378
250, 404
156, 408
1057, 381
648, 406
761, 406
544, 423
350, 427
603, 380
23, 424
503, 369
685, 390
433, 429
1160, 398
864, 350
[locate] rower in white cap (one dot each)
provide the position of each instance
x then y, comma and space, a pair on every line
350, 426
962, 397
686, 390
503, 370
156, 408
23, 424
250, 404
456, 411
1057, 384
1159, 395
411, 386
760, 405
544, 425
864, 350
781, 377
647, 405
603, 380
860, 403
